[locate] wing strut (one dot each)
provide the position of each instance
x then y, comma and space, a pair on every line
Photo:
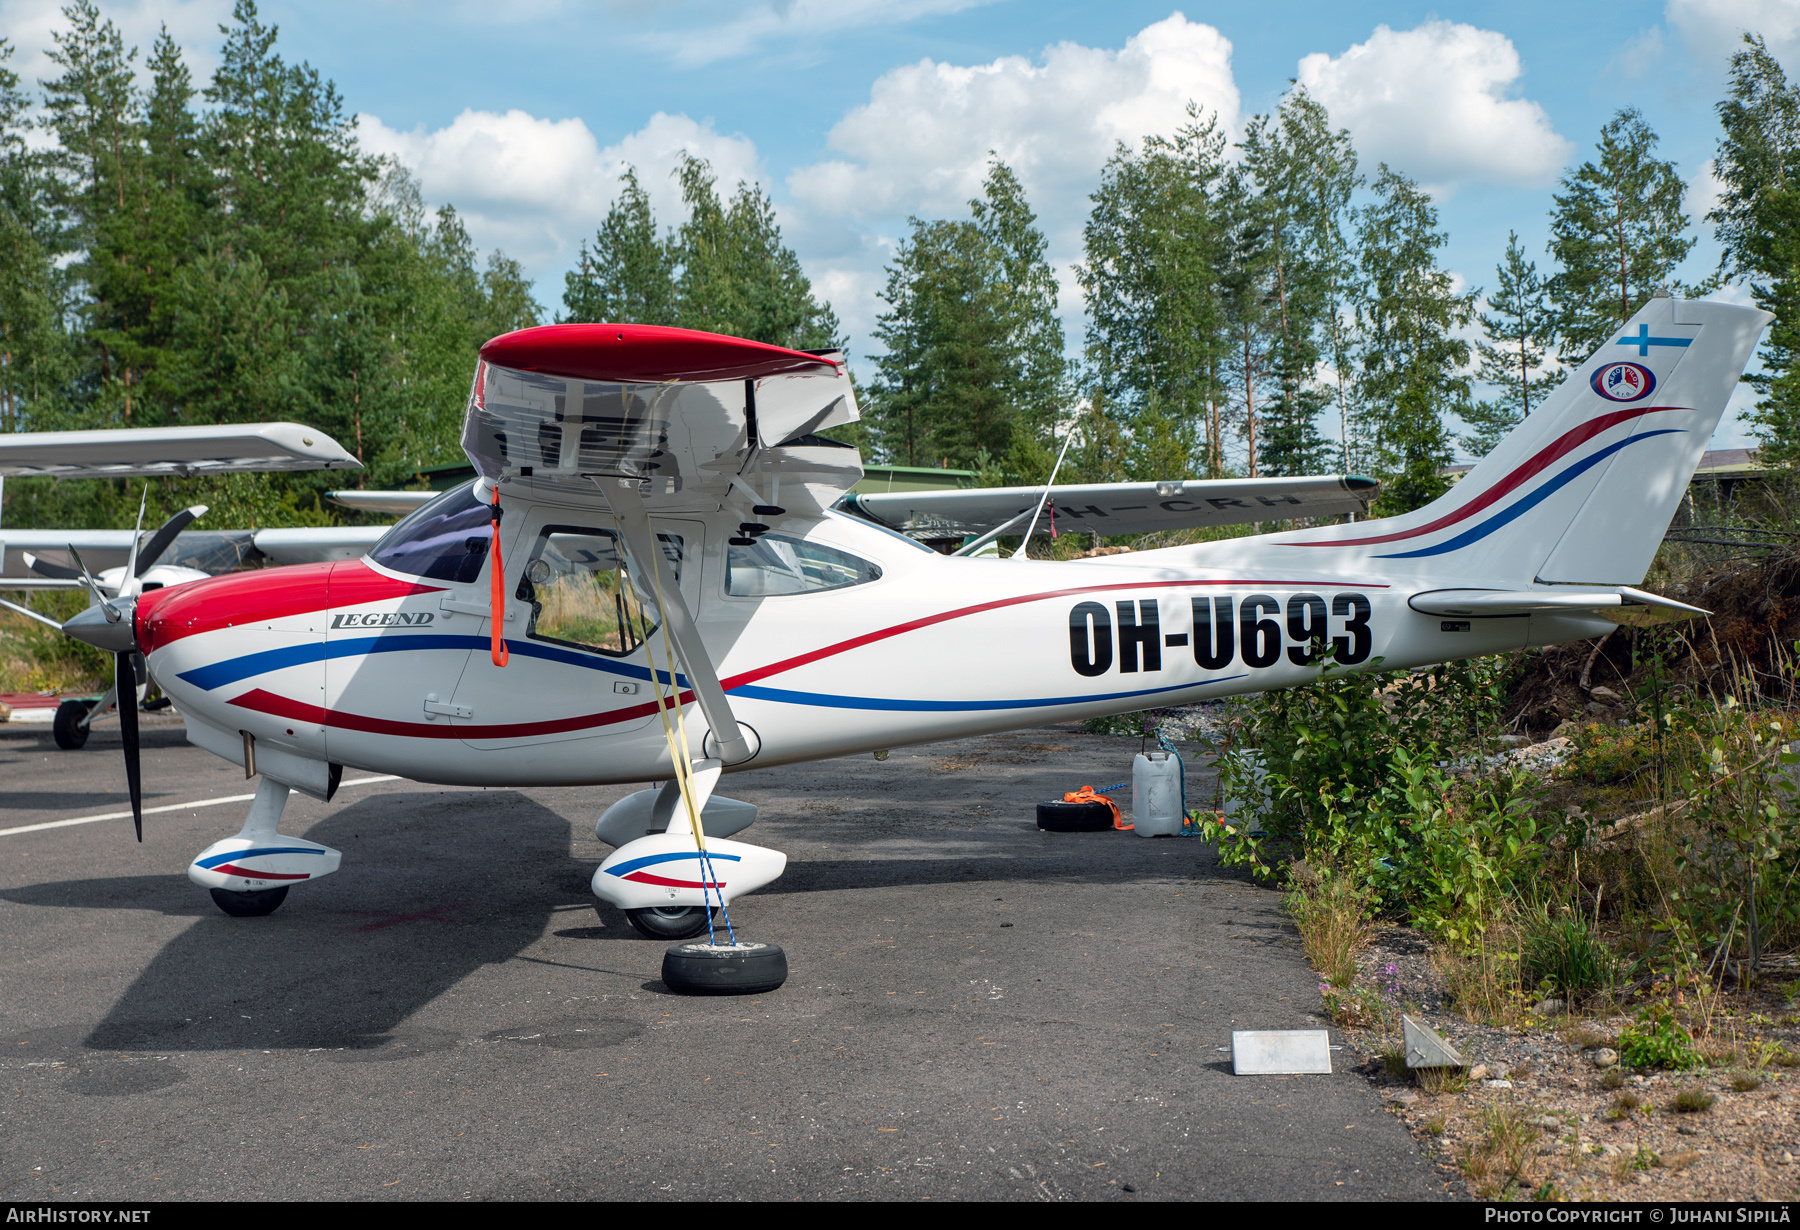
678, 622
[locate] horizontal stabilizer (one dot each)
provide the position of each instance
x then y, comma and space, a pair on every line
1619, 603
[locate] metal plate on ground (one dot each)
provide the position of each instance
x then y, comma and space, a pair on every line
1280, 1052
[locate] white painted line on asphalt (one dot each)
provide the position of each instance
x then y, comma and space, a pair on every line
150, 811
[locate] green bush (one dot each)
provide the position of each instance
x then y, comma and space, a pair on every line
1345, 770
1657, 1040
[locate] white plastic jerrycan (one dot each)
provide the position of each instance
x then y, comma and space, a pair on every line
1156, 794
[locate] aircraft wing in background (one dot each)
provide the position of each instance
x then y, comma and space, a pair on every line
1114, 508
151, 452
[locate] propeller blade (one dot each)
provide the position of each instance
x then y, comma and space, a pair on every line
44, 568
125, 676
137, 538
93, 585
165, 536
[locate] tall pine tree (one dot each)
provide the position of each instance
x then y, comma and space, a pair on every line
1154, 344
1520, 336
972, 370
1412, 357
629, 275
1618, 233
1758, 220
1304, 174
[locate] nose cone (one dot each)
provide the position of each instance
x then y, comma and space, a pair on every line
109, 626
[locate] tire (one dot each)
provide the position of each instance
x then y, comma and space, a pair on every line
662, 923
703, 969
1059, 817
66, 728
249, 905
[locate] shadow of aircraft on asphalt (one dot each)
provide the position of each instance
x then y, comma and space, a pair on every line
434, 886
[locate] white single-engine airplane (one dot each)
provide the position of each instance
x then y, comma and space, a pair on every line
654, 520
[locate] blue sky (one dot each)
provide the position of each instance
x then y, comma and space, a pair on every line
857, 114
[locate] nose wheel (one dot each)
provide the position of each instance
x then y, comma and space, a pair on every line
669, 922
249, 905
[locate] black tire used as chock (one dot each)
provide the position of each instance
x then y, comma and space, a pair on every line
253, 904
66, 727
746, 968
1060, 817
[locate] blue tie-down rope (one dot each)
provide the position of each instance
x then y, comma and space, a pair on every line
707, 877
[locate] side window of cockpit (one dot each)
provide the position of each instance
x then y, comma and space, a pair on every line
777, 564
582, 591
446, 540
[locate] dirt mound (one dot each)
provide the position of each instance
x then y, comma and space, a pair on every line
1739, 651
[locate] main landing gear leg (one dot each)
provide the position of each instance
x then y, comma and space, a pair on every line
249, 874
667, 886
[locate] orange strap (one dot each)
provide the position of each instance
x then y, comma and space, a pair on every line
1086, 795
497, 590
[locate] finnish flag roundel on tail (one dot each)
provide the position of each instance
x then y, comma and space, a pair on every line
1582, 490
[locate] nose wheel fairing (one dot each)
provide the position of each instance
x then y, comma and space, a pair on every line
258, 858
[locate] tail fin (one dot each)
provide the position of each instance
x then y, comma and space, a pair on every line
1584, 489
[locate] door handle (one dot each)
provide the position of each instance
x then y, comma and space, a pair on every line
456, 606
435, 708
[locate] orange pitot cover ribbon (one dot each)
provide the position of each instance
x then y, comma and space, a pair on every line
1086, 795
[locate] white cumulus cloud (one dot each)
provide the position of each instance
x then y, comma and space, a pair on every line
537, 187
30, 26
1715, 28
1431, 102
920, 144
707, 31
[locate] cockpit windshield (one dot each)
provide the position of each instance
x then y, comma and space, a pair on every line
446, 540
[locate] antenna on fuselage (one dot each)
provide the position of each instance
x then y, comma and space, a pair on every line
1054, 470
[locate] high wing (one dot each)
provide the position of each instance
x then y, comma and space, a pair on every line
653, 420
227, 448
695, 417
1115, 508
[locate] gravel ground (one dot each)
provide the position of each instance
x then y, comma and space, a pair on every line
1588, 1142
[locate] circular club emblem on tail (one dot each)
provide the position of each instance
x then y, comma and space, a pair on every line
1624, 381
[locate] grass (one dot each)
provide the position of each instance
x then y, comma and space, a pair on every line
34, 658
1331, 915
1692, 1102
1497, 1160
1443, 1080
1612, 1078
1627, 1164
1743, 1082
1559, 948
1483, 981
1582, 1035
1623, 1107
1393, 1061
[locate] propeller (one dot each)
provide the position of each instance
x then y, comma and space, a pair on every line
45, 568
111, 624
152, 552
125, 681
164, 536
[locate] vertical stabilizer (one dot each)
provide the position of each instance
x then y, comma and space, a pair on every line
1584, 489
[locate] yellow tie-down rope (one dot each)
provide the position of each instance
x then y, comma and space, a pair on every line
675, 733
